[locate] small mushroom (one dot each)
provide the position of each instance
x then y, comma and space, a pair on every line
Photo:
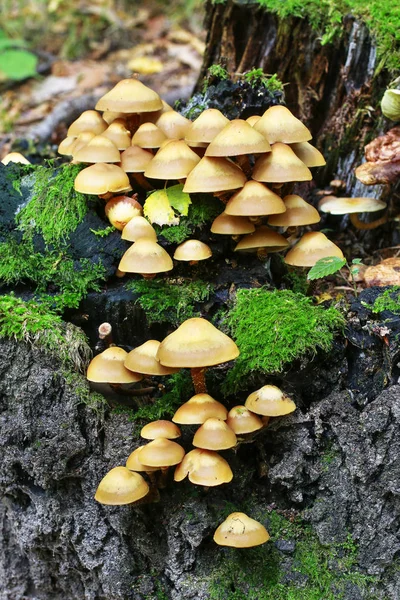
160, 429
281, 165
263, 238
313, 246
353, 207
121, 486
174, 160
254, 199
147, 258
108, 367
230, 225
118, 134
213, 174
173, 124
240, 531
98, 150
192, 251
204, 467
143, 360
15, 157
204, 129
121, 209
242, 421
309, 155
270, 401
148, 135
198, 409
138, 227
130, 96
298, 212
278, 124
161, 453
102, 179
214, 434
238, 138
89, 120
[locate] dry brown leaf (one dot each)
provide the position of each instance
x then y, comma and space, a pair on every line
385, 273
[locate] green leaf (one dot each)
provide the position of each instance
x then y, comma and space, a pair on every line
17, 64
326, 266
356, 261
178, 199
158, 209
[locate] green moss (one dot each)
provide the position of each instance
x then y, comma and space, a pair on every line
179, 388
389, 300
172, 301
273, 328
257, 78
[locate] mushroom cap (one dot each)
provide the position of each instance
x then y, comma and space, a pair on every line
270, 401
101, 178
204, 467
214, 175
143, 360
308, 154
263, 237
241, 420
160, 429
135, 159
281, 165
111, 115
345, 206
254, 199
207, 125
89, 120
130, 96
121, 486
298, 212
121, 209
119, 134
148, 135
173, 124
237, 138
240, 531
192, 250
133, 463
198, 409
196, 343
152, 117
66, 146
15, 157
230, 225
138, 227
278, 124
161, 453
175, 160
98, 150
146, 256
313, 246
108, 367
81, 141
214, 434
253, 119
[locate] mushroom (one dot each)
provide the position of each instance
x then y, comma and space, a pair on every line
80, 141
214, 175
121, 486
309, 155
313, 246
148, 135
253, 119
133, 463
263, 238
119, 134
230, 225
121, 209
143, 360
98, 150
242, 421
66, 146
160, 429
238, 138
134, 160
130, 96
173, 124
278, 124
175, 160
281, 165
270, 401
298, 212
147, 258
204, 129
198, 409
204, 467
192, 251
108, 367
240, 531
138, 227
111, 115
196, 344
161, 453
102, 179
254, 199
214, 434
15, 157
353, 207
89, 120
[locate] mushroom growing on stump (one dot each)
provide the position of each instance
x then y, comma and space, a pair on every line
174, 160
136, 228
134, 161
121, 486
309, 155
313, 246
214, 434
196, 344
278, 124
102, 179
118, 134
161, 453
213, 175
121, 209
98, 150
108, 367
198, 409
353, 207
204, 467
241, 420
281, 165
270, 401
192, 251
148, 136
146, 258
230, 225
143, 360
263, 241
298, 212
89, 120
173, 124
204, 129
160, 429
253, 200
133, 464
240, 531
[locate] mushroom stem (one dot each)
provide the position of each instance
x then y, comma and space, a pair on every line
223, 196
244, 164
199, 381
361, 225
148, 275
120, 274
106, 196
133, 122
105, 337
162, 480
141, 181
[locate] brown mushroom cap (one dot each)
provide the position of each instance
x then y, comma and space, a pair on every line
173, 124
298, 212
161, 453
146, 257
192, 250
98, 150
101, 178
121, 486
133, 463
263, 237
214, 175
281, 165
230, 225
308, 154
278, 124
135, 159
15, 157
243, 421
214, 434
160, 429
121, 209
196, 343
119, 134
81, 141
198, 409
204, 467
175, 160
143, 360
204, 129
138, 227
240, 531
270, 401
254, 199
65, 148
237, 138
345, 206
89, 120
313, 246
148, 135
108, 367
130, 96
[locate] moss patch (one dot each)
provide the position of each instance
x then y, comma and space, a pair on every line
389, 300
273, 328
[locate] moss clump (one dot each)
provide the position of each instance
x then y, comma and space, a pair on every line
172, 301
389, 300
179, 388
273, 328
314, 571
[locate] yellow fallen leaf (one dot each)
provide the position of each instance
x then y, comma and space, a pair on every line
145, 65
158, 209
323, 297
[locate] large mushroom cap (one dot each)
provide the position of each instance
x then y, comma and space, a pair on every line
148, 135
192, 250
254, 199
130, 96
237, 138
204, 467
281, 165
98, 150
135, 159
143, 360
345, 206
240, 531
308, 154
146, 257
278, 124
214, 175
160, 429
270, 401
102, 178
175, 160
198, 409
298, 212
173, 124
161, 453
108, 367
214, 434
121, 486
89, 120
204, 129
196, 343
138, 227
313, 246
242, 421
263, 237
133, 463
230, 225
